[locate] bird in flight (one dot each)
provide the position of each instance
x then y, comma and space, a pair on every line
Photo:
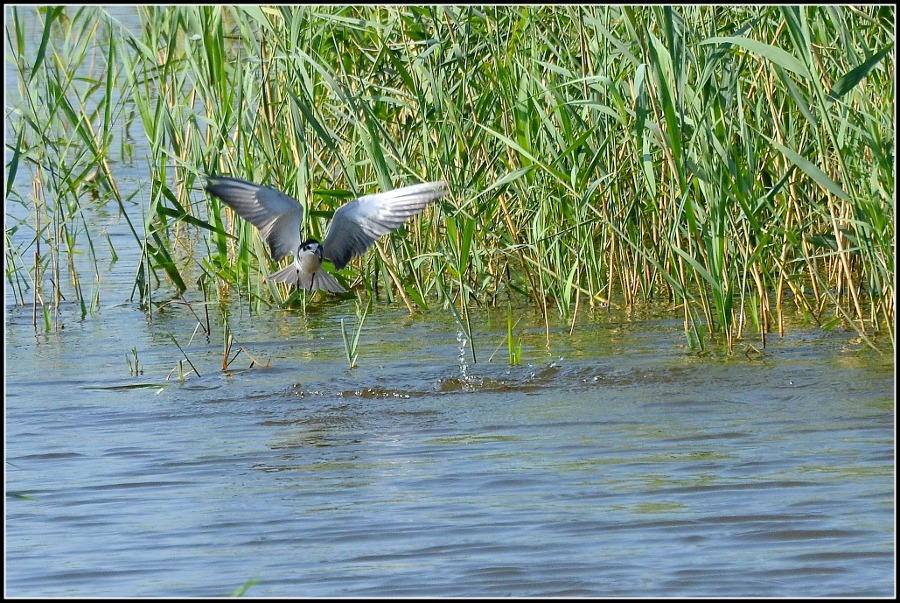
354, 226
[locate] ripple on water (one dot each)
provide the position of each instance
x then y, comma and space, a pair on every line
623, 468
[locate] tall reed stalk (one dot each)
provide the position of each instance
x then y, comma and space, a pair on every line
734, 161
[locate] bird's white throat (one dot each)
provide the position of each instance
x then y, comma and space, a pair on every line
308, 261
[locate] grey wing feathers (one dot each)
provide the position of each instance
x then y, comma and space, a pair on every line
310, 281
276, 215
357, 224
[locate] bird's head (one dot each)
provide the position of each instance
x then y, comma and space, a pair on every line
311, 246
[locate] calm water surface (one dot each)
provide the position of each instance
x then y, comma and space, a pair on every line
613, 462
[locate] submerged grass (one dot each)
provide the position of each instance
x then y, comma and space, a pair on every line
735, 161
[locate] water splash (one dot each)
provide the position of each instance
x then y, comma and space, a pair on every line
463, 366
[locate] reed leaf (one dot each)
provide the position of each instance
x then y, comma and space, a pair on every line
698, 155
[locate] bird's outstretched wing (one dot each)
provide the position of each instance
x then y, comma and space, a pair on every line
276, 215
357, 224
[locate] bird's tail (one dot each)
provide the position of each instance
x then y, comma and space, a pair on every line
310, 281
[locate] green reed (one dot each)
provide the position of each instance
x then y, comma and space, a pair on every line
513, 346
734, 161
133, 366
351, 344
242, 589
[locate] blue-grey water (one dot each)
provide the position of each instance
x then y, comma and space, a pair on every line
616, 464
612, 462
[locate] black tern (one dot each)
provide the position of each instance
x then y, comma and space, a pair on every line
353, 229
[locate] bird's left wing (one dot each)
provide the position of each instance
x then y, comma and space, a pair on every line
276, 215
357, 224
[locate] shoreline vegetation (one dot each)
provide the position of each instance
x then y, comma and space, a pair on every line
736, 163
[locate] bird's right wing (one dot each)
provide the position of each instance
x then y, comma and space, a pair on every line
276, 215
357, 224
